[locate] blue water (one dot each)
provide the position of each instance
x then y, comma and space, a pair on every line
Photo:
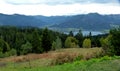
85, 33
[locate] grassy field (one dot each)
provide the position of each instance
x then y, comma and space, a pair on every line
42, 62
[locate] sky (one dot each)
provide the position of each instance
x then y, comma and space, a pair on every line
59, 7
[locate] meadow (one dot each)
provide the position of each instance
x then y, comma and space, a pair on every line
82, 59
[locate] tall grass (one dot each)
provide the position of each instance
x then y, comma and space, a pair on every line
96, 64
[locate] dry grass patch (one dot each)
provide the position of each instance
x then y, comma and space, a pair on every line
57, 57
71, 54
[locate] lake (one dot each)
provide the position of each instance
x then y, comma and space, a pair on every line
85, 33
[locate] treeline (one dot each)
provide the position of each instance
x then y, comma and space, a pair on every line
24, 40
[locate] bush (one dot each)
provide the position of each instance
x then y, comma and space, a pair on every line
1, 55
65, 58
87, 43
71, 42
26, 48
57, 44
12, 52
105, 43
9, 53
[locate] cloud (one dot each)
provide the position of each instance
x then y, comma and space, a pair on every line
70, 9
63, 7
56, 2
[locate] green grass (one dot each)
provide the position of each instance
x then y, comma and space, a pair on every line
42, 62
96, 64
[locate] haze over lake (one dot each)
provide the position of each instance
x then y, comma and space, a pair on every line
85, 33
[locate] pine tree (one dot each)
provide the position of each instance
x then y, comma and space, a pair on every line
71, 34
79, 37
36, 42
115, 41
4, 46
46, 40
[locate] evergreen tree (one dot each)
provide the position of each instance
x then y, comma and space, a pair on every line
46, 40
4, 46
19, 41
71, 34
90, 35
115, 41
36, 42
79, 37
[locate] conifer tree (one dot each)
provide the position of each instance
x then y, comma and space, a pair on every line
46, 40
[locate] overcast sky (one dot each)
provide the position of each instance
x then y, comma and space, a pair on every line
59, 7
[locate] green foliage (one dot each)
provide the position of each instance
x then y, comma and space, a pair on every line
26, 48
78, 58
46, 40
115, 41
57, 44
87, 43
36, 42
111, 44
12, 52
2, 55
71, 42
15, 37
4, 46
105, 43
79, 37
19, 40
96, 64
71, 34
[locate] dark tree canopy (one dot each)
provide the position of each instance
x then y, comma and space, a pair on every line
115, 40
46, 40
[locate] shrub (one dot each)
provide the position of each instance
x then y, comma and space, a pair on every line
12, 52
71, 42
62, 58
26, 48
57, 44
87, 43
105, 43
1, 55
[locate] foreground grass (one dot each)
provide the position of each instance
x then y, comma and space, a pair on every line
90, 61
96, 64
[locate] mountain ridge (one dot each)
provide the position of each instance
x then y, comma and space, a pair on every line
91, 21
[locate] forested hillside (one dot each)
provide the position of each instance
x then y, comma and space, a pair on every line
20, 41
91, 21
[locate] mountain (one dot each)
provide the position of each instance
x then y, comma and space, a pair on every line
91, 21
20, 20
51, 20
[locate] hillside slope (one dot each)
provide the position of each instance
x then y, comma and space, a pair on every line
91, 21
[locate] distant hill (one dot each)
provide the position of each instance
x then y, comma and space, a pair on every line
91, 21
20, 20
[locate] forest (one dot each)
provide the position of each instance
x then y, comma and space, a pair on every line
25, 40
